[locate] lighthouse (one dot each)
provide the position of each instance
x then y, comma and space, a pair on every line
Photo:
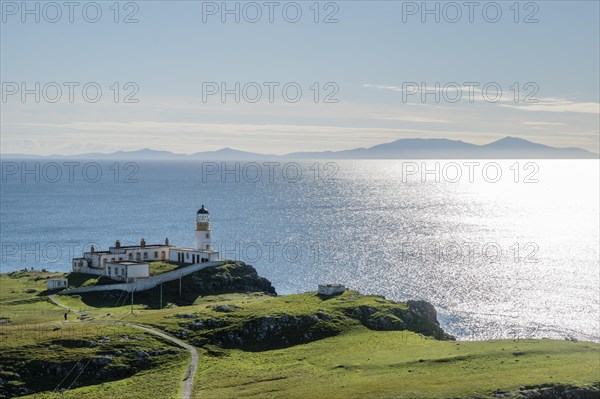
124, 262
202, 241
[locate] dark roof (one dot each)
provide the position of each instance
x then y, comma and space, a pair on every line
126, 262
203, 211
147, 246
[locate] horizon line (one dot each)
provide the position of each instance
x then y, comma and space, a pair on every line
288, 153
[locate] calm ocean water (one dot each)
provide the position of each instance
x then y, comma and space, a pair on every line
512, 258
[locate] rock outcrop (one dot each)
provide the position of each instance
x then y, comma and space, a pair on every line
261, 333
235, 277
232, 327
420, 317
20, 376
552, 391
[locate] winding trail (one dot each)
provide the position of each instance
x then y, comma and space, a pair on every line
62, 305
188, 384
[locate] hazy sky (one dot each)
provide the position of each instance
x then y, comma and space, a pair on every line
376, 65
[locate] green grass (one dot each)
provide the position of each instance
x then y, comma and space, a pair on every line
357, 363
40, 310
49, 344
161, 267
395, 364
24, 285
160, 382
34, 332
362, 363
87, 280
251, 305
82, 279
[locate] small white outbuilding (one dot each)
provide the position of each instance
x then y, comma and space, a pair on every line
331, 289
57, 283
125, 271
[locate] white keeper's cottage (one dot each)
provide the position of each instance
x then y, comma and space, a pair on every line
132, 262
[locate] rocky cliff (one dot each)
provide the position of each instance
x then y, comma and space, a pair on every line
235, 277
266, 323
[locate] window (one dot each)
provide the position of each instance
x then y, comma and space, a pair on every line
130, 256
155, 255
187, 255
145, 255
207, 235
109, 270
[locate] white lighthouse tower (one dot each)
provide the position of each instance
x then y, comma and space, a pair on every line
202, 241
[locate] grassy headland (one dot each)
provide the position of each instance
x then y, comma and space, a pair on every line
258, 345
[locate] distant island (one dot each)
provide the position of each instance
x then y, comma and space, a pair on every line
415, 148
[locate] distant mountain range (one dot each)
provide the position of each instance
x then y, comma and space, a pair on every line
506, 148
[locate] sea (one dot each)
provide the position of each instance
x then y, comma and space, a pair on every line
501, 248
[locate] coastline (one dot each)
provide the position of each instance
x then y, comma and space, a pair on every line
240, 321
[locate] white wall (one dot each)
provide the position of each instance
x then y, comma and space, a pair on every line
99, 260
138, 271
202, 239
192, 256
147, 283
123, 272
55, 283
325, 290
145, 255
90, 270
